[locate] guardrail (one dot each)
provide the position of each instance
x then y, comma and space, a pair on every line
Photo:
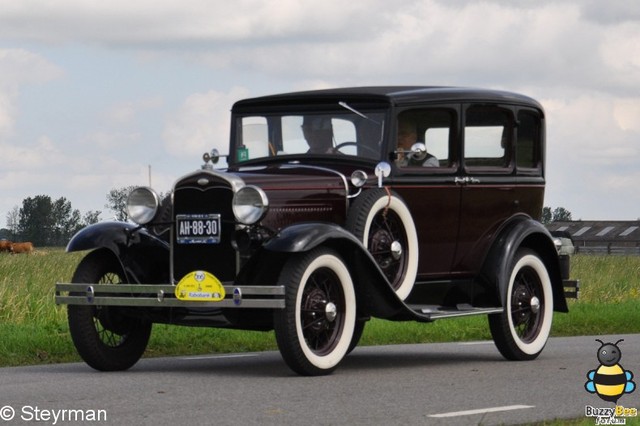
608, 249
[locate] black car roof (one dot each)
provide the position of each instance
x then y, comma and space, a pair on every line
391, 94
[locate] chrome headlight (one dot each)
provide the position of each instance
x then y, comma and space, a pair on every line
142, 205
250, 204
358, 178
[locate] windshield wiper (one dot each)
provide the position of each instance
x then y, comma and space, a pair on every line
355, 111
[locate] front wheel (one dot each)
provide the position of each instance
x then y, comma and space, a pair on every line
315, 329
105, 338
522, 330
382, 221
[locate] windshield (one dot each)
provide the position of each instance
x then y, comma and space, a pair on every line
332, 133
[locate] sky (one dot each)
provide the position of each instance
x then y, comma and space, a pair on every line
96, 95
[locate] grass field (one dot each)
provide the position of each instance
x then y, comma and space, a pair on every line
34, 330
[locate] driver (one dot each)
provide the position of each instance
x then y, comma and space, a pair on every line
318, 132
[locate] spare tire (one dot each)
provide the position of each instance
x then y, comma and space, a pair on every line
382, 221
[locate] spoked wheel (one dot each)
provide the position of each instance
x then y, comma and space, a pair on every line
522, 330
105, 339
315, 328
382, 221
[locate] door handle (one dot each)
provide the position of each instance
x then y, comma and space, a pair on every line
466, 180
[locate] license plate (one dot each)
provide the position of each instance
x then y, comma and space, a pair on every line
198, 228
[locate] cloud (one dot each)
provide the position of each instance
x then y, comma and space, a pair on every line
201, 123
598, 130
126, 63
147, 22
556, 43
613, 12
592, 145
125, 113
47, 167
19, 67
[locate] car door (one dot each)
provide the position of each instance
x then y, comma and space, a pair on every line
487, 181
429, 186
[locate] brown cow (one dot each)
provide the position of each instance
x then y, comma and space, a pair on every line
22, 247
5, 245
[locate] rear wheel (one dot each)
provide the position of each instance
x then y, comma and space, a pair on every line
105, 338
382, 221
315, 329
522, 330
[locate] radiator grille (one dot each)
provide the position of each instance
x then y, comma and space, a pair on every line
219, 259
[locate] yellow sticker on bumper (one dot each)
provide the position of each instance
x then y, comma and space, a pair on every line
200, 286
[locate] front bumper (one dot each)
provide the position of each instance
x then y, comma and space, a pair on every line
163, 296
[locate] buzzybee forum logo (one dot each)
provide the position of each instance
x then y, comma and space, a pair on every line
610, 381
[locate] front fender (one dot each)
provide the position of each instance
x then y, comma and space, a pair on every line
375, 294
143, 257
306, 236
522, 231
111, 235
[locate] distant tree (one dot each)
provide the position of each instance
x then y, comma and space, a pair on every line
91, 217
48, 223
560, 214
13, 219
547, 216
66, 221
35, 223
117, 201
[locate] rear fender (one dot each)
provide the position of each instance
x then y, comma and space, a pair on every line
522, 231
144, 258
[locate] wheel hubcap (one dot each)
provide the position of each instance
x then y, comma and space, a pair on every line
396, 250
535, 305
527, 307
322, 318
331, 311
386, 243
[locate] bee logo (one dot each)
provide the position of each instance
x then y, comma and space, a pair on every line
610, 381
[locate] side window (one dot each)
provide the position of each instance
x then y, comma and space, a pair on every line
487, 136
528, 143
434, 128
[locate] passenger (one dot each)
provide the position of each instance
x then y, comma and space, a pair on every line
407, 136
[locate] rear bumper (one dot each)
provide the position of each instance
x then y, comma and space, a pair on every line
571, 289
163, 296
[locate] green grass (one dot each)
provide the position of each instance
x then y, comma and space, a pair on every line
34, 330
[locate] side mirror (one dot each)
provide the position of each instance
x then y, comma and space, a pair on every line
418, 151
383, 169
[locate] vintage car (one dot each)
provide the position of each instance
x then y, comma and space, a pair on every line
335, 207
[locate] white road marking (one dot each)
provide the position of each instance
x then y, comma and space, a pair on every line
481, 411
190, 358
480, 342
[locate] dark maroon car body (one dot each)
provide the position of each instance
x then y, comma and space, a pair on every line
458, 237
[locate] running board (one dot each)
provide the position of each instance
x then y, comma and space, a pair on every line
434, 312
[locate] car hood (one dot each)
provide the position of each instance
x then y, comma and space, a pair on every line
299, 193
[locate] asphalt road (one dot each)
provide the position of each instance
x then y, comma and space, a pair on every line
448, 383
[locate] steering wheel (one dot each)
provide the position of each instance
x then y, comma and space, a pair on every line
364, 147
